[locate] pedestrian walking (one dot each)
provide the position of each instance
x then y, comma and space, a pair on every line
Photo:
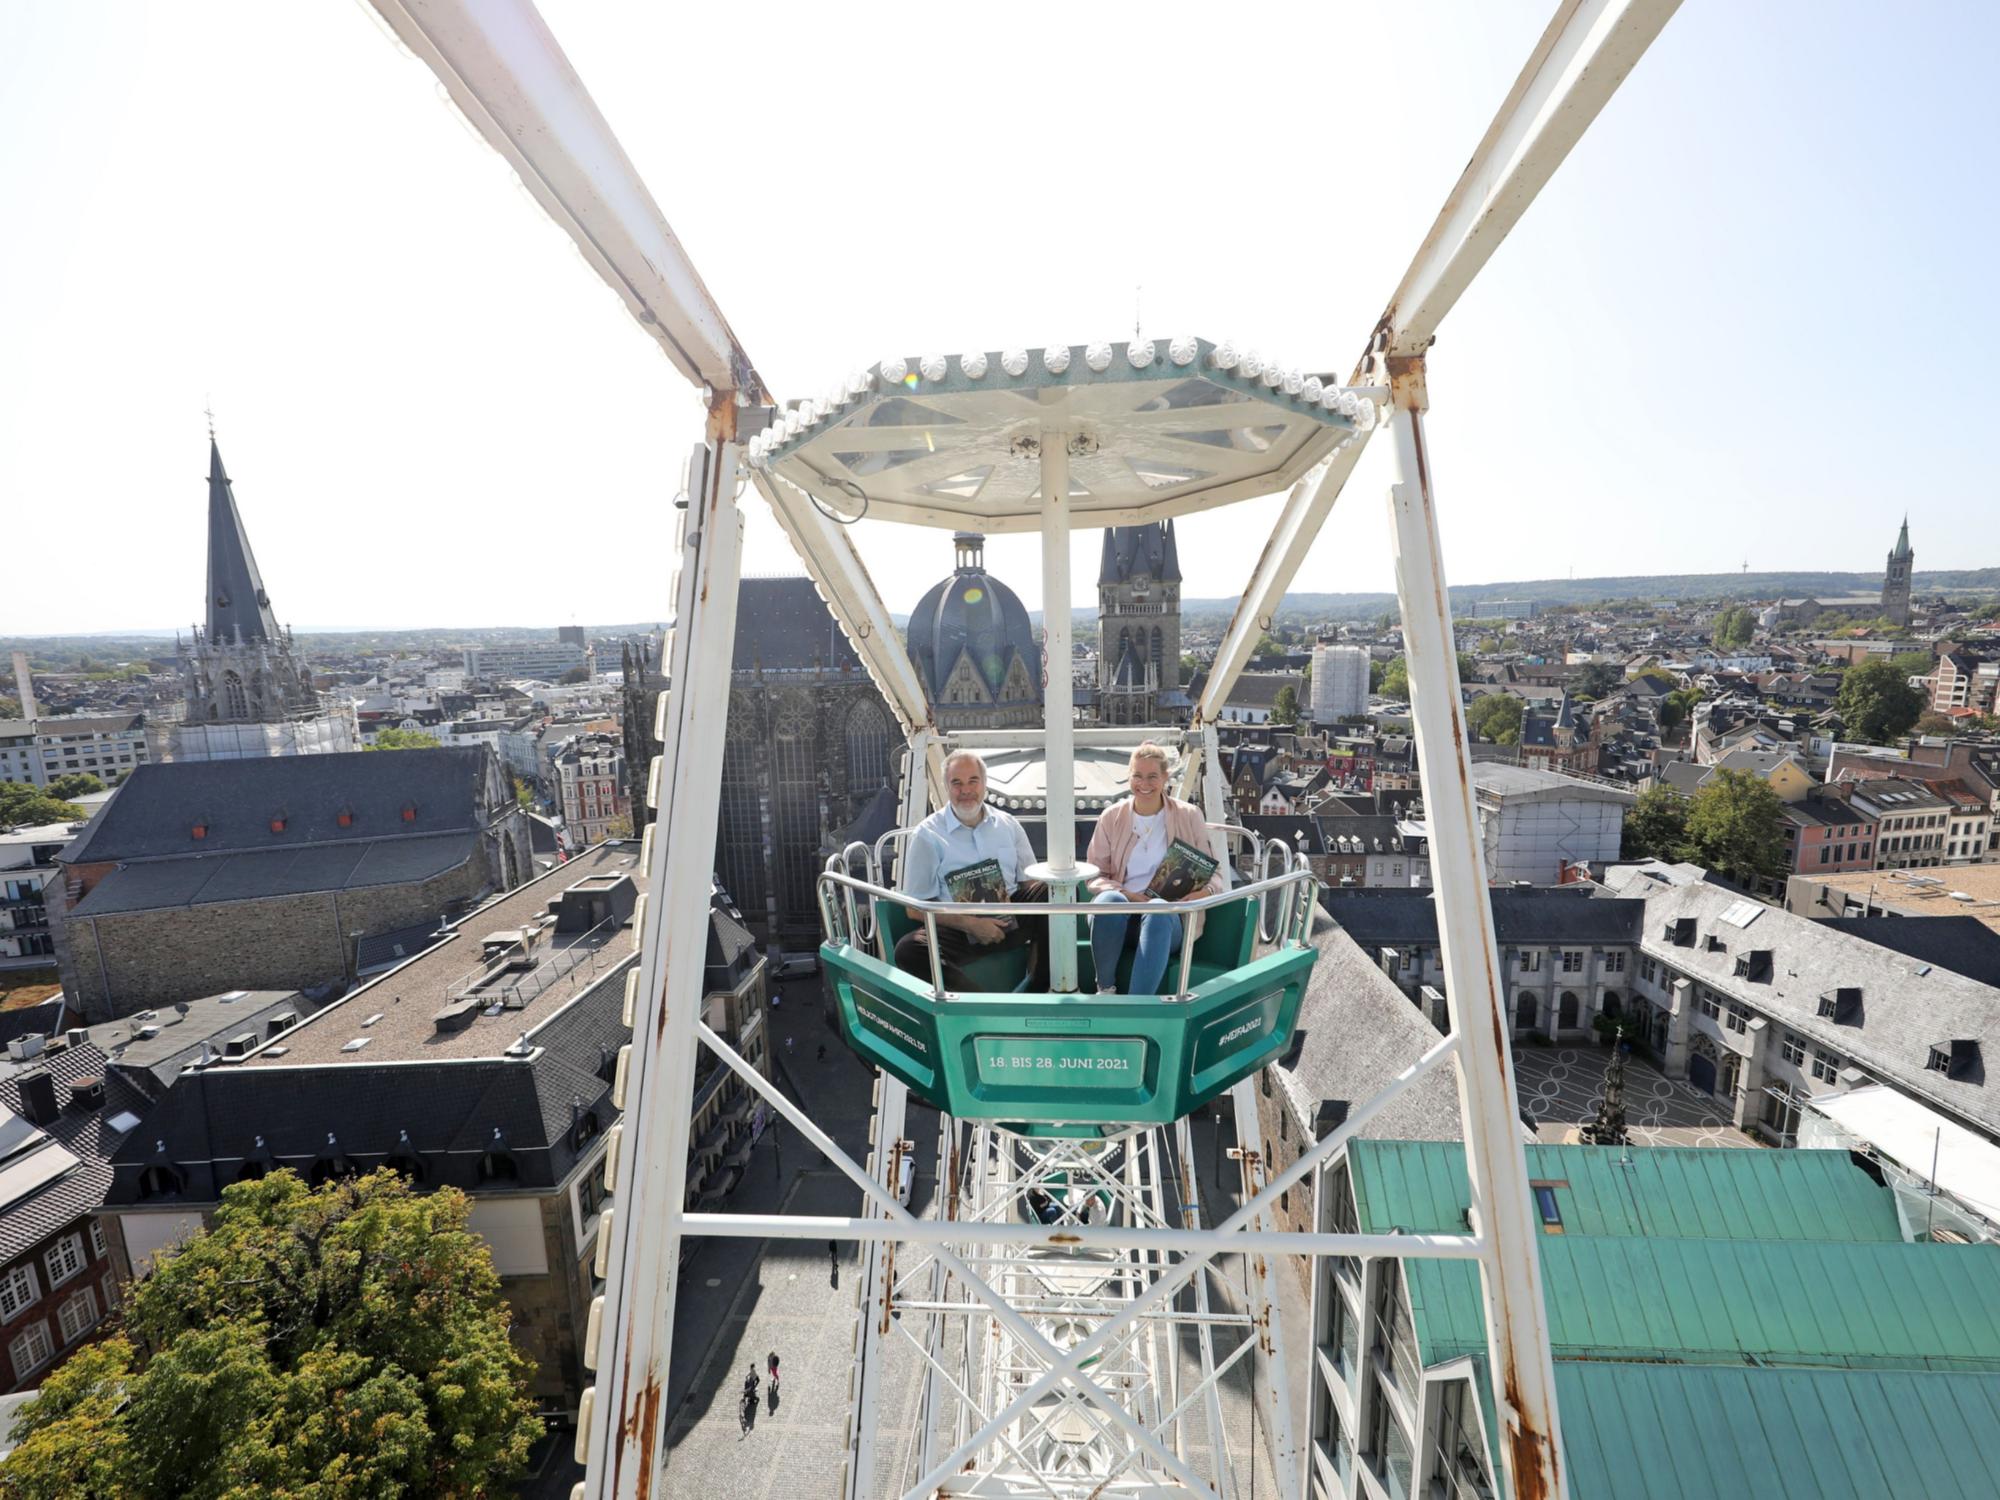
788, 1046
771, 1361
822, 1052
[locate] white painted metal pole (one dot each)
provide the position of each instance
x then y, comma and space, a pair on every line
621, 1434
1274, 1391
1516, 1317
1059, 714
873, 1298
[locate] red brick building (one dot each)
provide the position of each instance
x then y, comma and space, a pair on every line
57, 1276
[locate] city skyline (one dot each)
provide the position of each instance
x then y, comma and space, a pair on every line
407, 363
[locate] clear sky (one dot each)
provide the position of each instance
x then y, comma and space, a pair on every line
1753, 317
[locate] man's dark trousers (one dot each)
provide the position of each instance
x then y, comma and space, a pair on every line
957, 949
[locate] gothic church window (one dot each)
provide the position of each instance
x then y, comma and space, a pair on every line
232, 693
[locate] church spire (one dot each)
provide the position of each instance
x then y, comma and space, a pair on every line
1903, 539
238, 607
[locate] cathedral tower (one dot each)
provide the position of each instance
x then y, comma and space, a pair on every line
243, 692
1139, 626
1896, 580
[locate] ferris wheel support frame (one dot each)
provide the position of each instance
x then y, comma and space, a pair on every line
504, 71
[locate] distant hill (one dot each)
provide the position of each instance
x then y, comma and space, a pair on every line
1980, 581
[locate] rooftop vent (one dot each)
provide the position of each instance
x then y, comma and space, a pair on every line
1714, 944
240, 1044
357, 1044
76, 1036
457, 1015
284, 1020
147, 1032
24, 1047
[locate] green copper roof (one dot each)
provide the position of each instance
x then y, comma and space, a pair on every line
1679, 1432
1681, 1193
1766, 1302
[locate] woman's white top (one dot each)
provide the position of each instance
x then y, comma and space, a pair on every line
1148, 851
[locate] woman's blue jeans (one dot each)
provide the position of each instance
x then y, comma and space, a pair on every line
1159, 935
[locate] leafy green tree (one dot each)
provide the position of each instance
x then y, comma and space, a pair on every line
575, 675
1913, 663
1677, 705
1285, 707
1497, 717
75, 784
1599, 678
523, 793
1190, 664
404, 739
1395, 680
21, 803
342, 1342
10, 708
1876, 702
1736, 827
1656, 825
1266, 647
1734, 627
1933, 723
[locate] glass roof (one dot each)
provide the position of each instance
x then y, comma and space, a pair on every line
1154, 429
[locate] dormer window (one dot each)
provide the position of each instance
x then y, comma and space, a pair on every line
278, 823
1958, 1060
409, 812
199, 830
344, 818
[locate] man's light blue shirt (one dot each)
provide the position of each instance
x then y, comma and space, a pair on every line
942, 844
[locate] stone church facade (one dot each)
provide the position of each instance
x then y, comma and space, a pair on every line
809, 760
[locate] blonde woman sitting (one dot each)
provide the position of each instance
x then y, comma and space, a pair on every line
1132, 842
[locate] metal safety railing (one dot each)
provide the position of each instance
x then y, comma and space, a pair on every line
843, 897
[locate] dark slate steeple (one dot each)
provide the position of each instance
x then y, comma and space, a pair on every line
238, 607
1903, 540
1147, 549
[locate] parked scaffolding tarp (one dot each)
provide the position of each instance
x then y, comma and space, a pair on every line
1912, 1135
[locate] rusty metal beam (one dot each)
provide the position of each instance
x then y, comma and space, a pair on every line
508, 76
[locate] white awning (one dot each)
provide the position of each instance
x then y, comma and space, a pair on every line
1912, 1134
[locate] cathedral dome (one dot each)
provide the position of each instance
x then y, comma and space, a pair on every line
974, 615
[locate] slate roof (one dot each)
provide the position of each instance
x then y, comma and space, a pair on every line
85, 1134
1905, 1012
1395, 918
1964, 945
238, 607
1356, 1032
154, 811
783, 625
1150, 548
201, 880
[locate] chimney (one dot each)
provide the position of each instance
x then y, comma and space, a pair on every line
86, 1093
24, 685
38, 1098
